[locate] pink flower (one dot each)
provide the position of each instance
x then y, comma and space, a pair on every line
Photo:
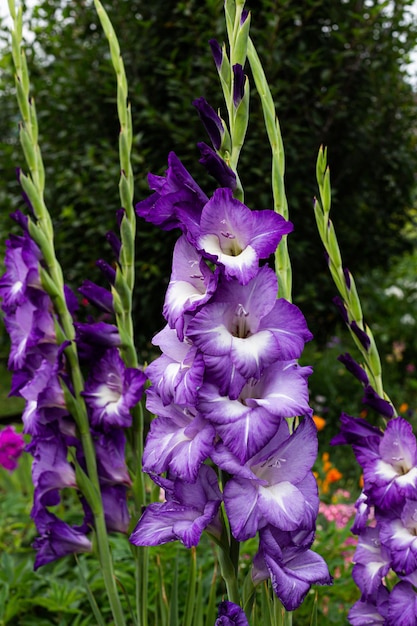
11, 447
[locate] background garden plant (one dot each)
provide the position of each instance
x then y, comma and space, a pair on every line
108, 406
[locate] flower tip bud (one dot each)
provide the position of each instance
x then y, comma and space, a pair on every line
216, 52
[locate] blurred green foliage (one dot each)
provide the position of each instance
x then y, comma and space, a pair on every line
337, 74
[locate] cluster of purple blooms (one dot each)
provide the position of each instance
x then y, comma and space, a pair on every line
228, 383
40, 373
385, 567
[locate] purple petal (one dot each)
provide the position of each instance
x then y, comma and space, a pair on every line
211, 121
217, 167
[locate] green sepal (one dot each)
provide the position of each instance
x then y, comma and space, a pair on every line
28, 148
333, 246
240, 47
354, 302
373, 356
22, 98
226, 144
230, 13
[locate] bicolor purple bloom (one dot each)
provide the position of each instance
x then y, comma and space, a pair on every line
51, 470
179, 440
176, 189
292, 568
248, 422
230, 614
402, 605
399, 535
372, 562
177, 374
363, 511
391, 474
11, 447
112, 390
275, 486
45, 402
234, 237
31, 329
189, 509
373, 611
247, 332
57, 539
191, 285
22, 271
217, 167
211, 121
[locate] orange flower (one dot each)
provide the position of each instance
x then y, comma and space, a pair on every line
361, 482
333, 475
403, 407
320, 422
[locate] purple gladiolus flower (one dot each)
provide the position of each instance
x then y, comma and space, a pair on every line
179, 440
45, 402
275, 485
292, 568
31, 330
398, 534
247, 422
402, 605
211, 121
391, 474
51, 470
112, 390
231, 614
191, 284
57, 539
177, 375
189, 509
176, 189
372, 562
247, 332
11, 447
22, 271
372, 611
233, 236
